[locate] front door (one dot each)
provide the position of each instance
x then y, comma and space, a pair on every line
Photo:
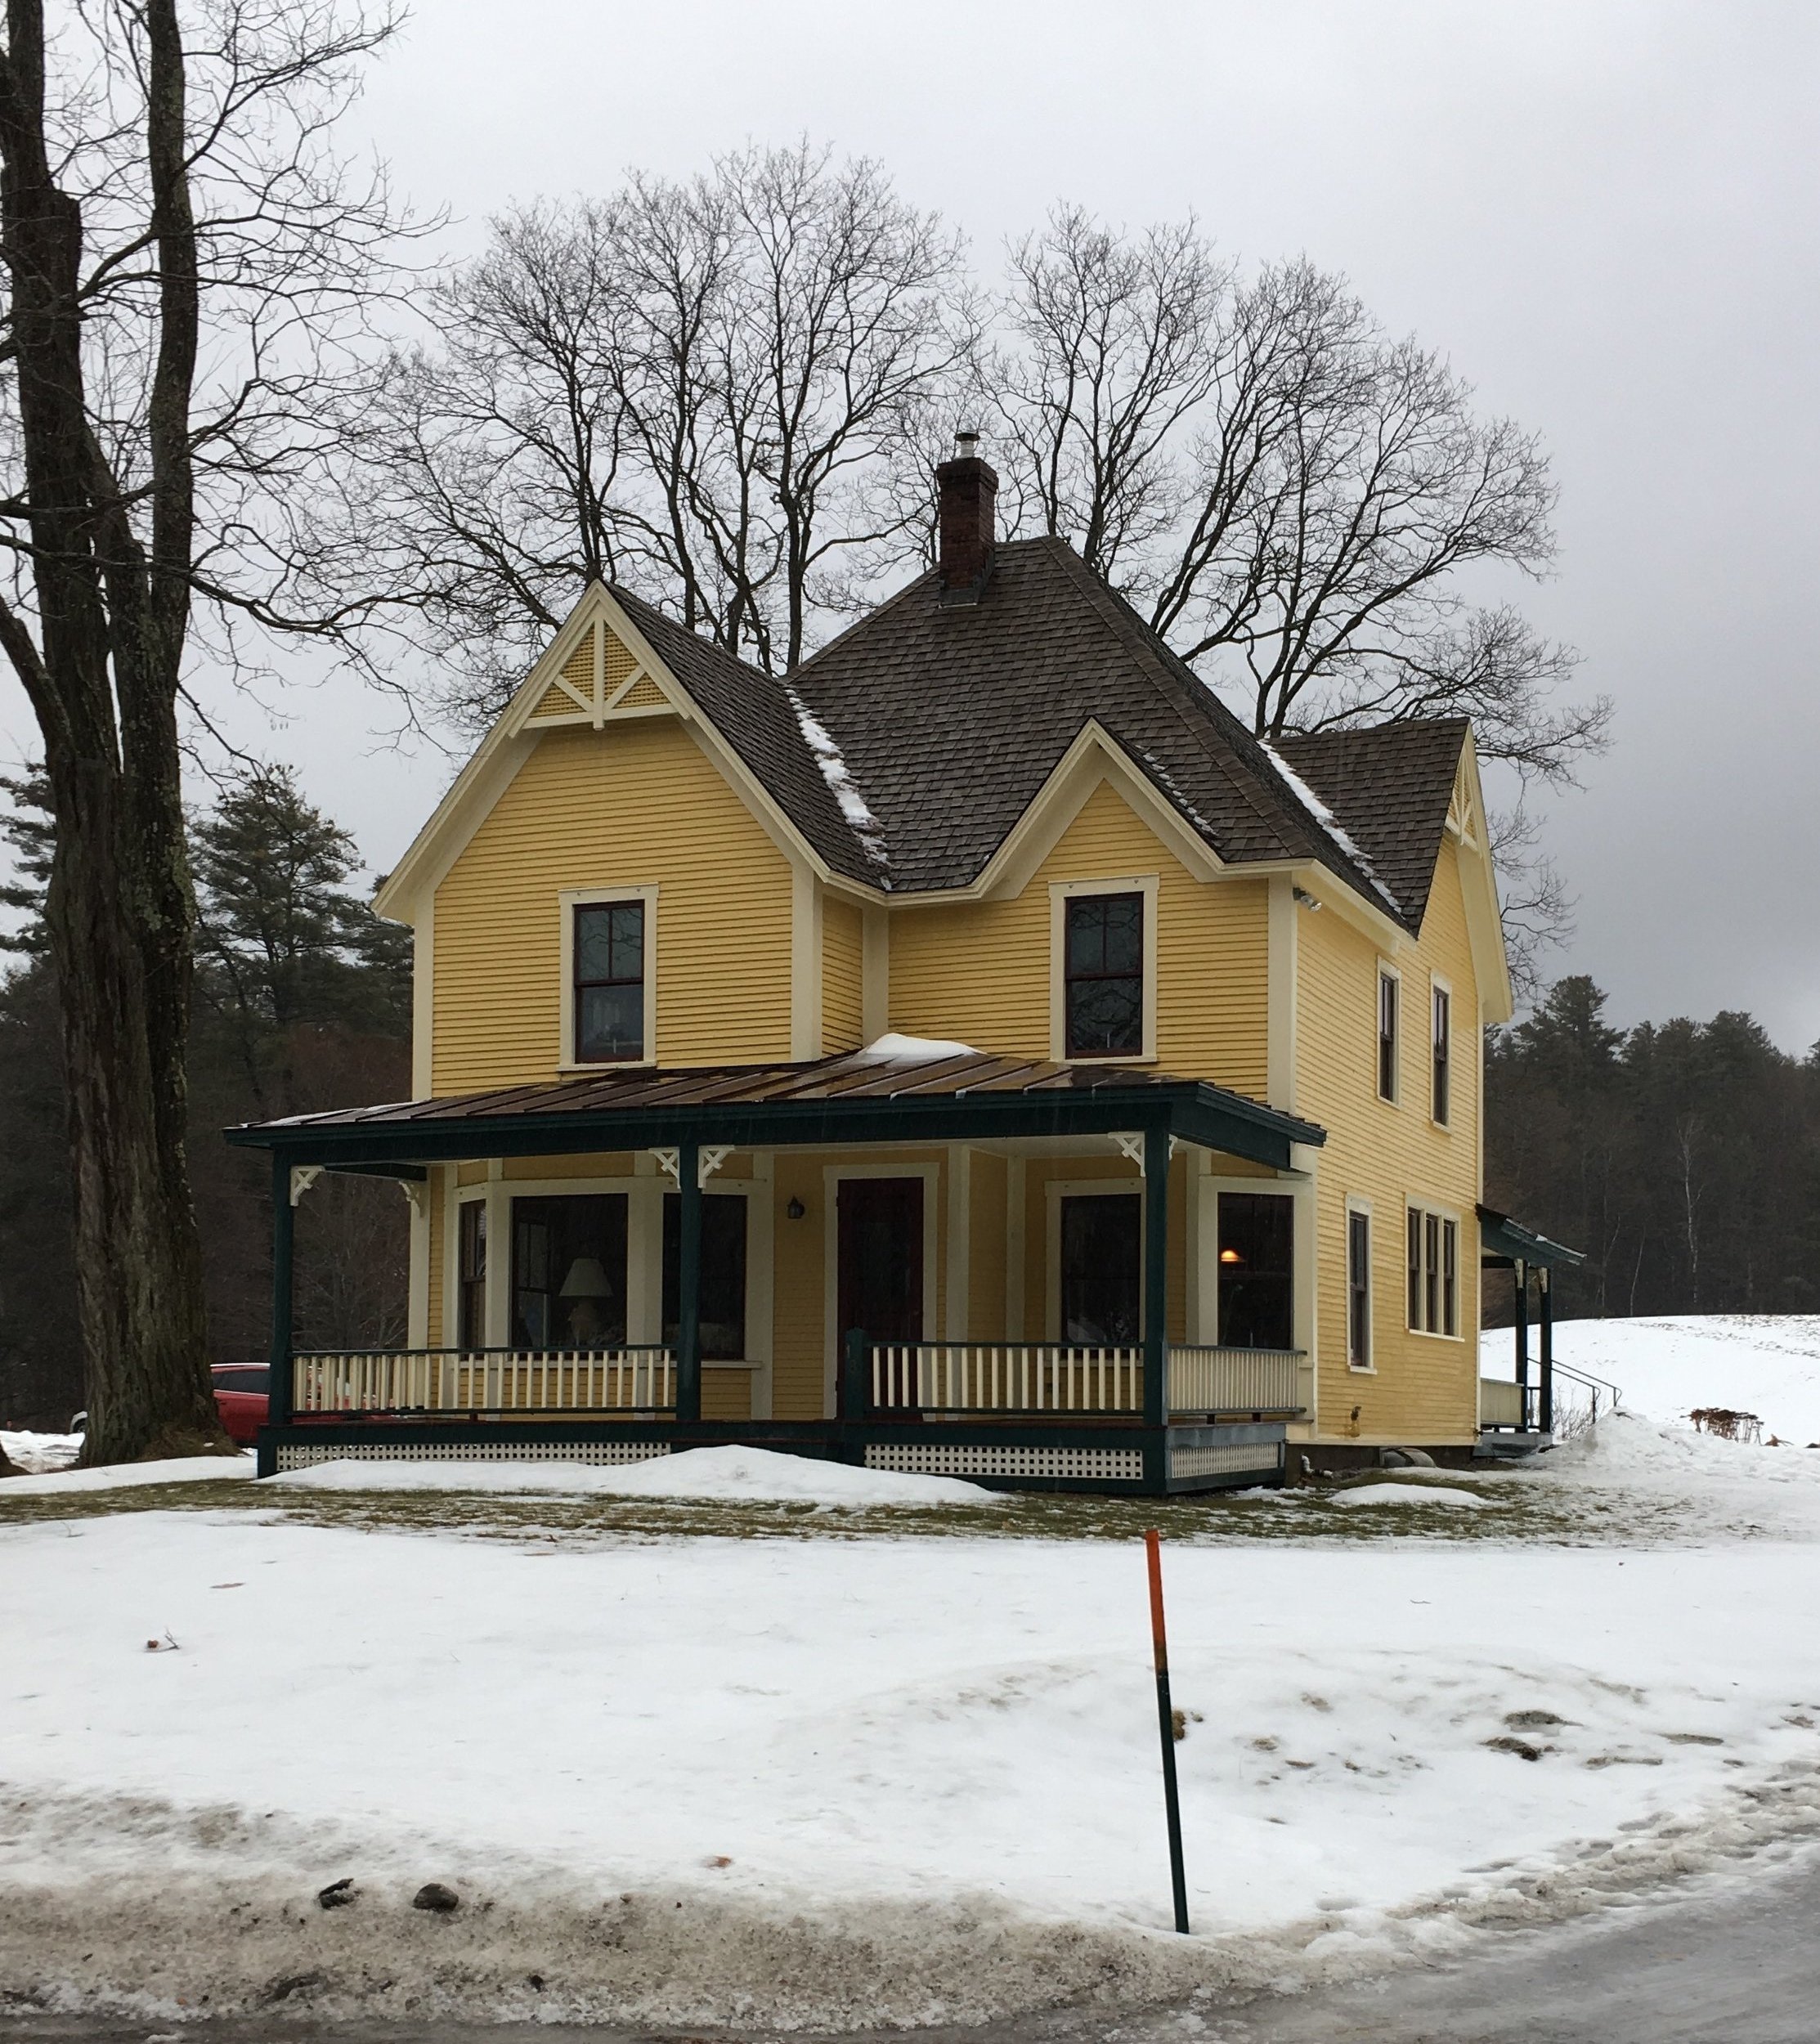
881, 1271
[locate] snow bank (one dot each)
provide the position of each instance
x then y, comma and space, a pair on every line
121, 1476
37, 1454
839, 1783
1407, 1494
892, 1049
1765, 1364
732, 1475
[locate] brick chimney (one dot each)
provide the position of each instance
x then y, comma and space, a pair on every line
967, 490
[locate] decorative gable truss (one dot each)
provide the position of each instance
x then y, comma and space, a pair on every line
1463, 823
600, 680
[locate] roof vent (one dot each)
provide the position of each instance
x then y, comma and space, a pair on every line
967, 492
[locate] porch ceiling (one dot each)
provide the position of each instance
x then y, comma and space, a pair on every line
849, 1099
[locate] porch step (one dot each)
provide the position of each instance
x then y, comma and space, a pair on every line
1511, 1446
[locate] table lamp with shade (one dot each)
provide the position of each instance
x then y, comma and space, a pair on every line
586, 1284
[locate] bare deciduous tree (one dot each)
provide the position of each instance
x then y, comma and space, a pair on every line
705, 389
182, 252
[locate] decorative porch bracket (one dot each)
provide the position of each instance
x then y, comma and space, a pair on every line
1130, 1143
712, 1157
302, 1177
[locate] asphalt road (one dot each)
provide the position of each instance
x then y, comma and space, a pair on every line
1736, 1964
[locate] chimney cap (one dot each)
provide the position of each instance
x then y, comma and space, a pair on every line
967, 443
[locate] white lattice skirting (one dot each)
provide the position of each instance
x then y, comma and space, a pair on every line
1097, 1465
599, 1453
1241, 1459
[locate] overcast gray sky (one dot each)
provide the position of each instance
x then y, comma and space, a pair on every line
1603, 212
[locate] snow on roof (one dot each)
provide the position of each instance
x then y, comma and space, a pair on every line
836, 772
892, 1049
1328, 821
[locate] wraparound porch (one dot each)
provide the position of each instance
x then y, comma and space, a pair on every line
1098, 1185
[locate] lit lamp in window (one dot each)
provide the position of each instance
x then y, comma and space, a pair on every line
585, 1285
1231, 1256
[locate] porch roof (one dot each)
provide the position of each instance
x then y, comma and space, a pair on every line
1504, 1241
855, 1097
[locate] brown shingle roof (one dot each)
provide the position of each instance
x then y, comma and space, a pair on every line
1389, 787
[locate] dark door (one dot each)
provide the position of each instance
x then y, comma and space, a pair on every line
880, 1280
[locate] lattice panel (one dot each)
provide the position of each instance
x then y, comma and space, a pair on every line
1240, 1458
1096, 1465
644, 694
620, 663
558, 702
598, 1454
578, 669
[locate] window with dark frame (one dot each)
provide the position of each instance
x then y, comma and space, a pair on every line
722, 1300
1256, 1270
1433, 1272
1103, 976
609, 982
471, 1315
1388, 988
569, 1271
1443, 1053
1358, 1290
1102, 1238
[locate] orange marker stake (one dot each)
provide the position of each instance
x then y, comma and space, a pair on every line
1166, 1724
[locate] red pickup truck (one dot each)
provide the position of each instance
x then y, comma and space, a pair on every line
240, 1389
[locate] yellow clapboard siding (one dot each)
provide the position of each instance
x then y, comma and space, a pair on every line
1425, 1385
636, 804
842, 940
979, 971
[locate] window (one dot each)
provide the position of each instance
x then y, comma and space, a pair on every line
609, 986
1389, 991
1256, 1273
471, 1303
1102, 1254
722, 1284
1358, 1288
569, 1272
1433, 1258
1443, 1052
1103, 976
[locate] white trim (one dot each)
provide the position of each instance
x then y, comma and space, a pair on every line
1057, 1189
1387, 970
875, 979
761, 1207
422, 1003
1355, 1204
1060, 893
1439, 984
958, 1288
420, 1192
570, 899
805, 964
831, 1176
1016, 1270
1281, 1017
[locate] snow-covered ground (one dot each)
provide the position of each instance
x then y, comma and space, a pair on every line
55, 1478
889, 1778
35, 1452
1765, 1363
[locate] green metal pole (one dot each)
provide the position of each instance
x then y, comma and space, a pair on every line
284, 1215
1156, 1276
688, 1275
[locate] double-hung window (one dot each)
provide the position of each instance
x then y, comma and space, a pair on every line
1257, 1280
1443, 1043
1390, 990
1433, 1272
471, 1298
608, 954
1103, 976
1358, 1288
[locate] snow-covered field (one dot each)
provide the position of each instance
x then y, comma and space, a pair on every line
889, 1778
1765, 1363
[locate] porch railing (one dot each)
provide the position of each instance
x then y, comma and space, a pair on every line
626, 1379
1503, 1403
1058, 1376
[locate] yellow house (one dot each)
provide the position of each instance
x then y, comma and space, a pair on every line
976, 1053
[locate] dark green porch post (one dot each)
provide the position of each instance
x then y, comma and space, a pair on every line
1156, 1276
284, 1215
688, 1285
1520, 1271
1545, 1300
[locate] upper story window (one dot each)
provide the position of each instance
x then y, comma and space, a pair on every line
1103, 976
1443, 1042
608, 960
1390, 992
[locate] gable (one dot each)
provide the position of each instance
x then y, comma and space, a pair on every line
601, 680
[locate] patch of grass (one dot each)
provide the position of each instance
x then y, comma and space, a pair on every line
1519, 1512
